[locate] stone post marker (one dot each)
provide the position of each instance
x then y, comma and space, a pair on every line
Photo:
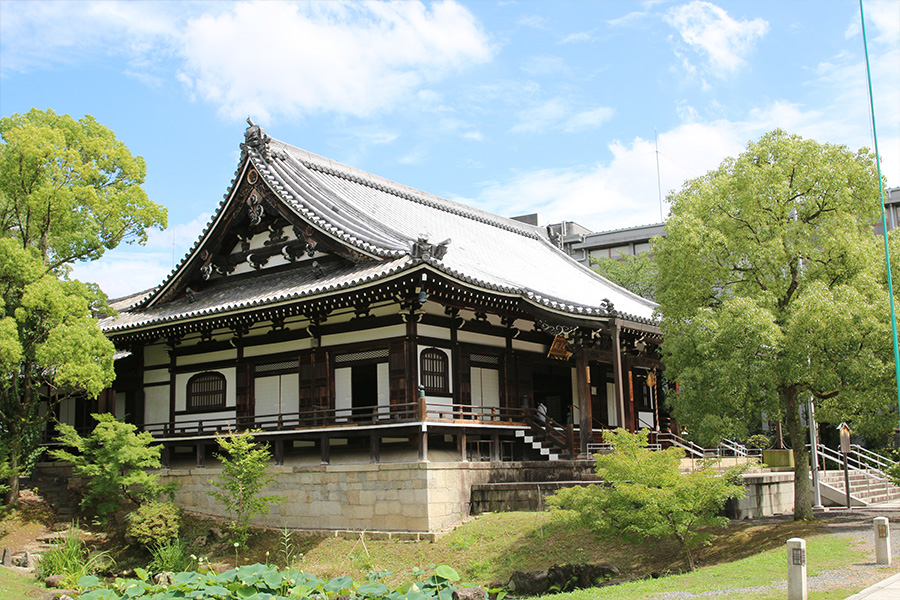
882, 541
796, 563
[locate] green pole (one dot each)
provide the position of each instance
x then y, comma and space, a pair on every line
887, 253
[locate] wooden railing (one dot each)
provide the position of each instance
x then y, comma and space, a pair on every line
338, 417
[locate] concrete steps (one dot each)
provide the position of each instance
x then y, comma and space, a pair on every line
869, 488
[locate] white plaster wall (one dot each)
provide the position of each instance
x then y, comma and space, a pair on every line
467, 337
155, 356
433, 332
529, 347
364, 336
156, 404
156, 376
194, 359
291, 346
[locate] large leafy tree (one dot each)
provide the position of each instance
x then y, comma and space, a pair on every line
772, 292
69, 190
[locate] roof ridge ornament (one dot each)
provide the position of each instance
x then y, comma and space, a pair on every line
255, 137
423, 250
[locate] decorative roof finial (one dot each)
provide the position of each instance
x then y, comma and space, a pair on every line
255, 136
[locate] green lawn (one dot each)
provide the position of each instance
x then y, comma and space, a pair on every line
17, 587
745, 577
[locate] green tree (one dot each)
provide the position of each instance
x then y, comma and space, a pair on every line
243, 477
113, 461
646, 497
636, 273
772, 290
69, 190
50, 348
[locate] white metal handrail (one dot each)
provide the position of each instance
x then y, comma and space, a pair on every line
870, 458
735, 448
680, 442
838, 458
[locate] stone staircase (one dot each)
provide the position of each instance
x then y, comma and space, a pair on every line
867, 487
50, 480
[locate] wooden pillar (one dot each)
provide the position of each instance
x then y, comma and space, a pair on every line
279, 451
201, 455
618, 378
374, 448
461, 446
495, 447
173, 361
325, 449
412, 356
454, 359
583, 381
630, 405
164, 456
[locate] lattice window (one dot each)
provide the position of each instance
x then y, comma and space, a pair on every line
206, 391
368, 355
283, 366
435, 371
484, 360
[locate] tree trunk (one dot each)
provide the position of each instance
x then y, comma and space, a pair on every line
12, 496
802, 492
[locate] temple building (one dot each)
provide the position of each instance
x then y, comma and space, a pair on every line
353, 320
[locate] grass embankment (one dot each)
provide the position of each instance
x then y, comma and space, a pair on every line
747, 559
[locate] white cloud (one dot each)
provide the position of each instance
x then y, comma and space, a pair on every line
37, 34
558, 114
258, 58
578, 37
624, 191
350, 58
589, 119
709, 30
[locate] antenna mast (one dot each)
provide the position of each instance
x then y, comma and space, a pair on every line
658, 182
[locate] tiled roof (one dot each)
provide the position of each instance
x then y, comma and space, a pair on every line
263, 289
382, 219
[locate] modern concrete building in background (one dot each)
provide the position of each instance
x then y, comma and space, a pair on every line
581, 243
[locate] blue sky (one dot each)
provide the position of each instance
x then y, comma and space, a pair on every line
513, 106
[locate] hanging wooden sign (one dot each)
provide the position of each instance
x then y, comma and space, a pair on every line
558, 349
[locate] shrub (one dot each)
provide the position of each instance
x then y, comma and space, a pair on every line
171, 556
646, 497
72, 559
243, 477
154, 523
759, 441
112, 460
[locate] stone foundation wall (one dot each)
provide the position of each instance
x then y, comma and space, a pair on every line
398, 497
768, 493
